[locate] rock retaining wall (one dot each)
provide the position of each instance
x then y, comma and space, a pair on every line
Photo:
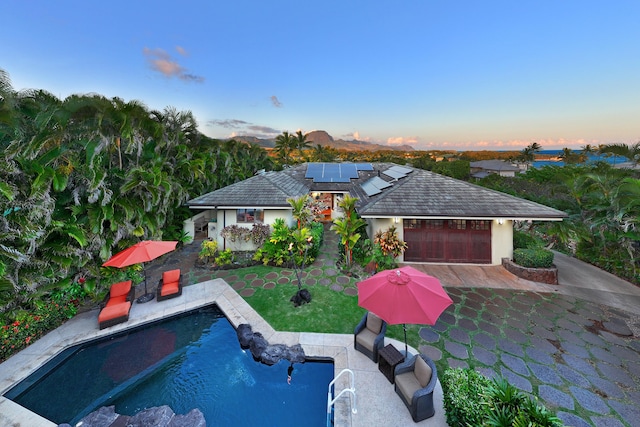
541, 275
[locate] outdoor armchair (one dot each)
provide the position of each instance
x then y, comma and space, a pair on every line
170, 285
368, 336
416, 379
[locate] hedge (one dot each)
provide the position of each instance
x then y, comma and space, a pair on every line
533, 258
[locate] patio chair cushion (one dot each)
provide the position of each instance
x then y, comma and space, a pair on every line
367, 339
170, 285
120, 289
169, 288
170, 277
116, 300
374, 323
422, 371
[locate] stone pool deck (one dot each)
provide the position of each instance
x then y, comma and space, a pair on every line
376, 401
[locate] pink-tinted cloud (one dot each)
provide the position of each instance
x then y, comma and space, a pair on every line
275, 101
402, 140
159, 60
356, 136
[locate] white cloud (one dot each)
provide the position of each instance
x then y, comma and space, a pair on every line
401, 140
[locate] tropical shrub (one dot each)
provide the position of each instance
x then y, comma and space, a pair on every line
471, 399
260, 233
287, 245
533, 258
31, 325
464, 396
224, 258
522, 240
389, 242
208, 249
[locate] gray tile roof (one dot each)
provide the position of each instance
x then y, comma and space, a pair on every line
427, 194
494, 165
267, 189
419, 194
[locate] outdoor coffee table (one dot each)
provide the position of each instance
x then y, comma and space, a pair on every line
388, 358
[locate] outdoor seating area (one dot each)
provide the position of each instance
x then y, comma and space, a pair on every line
170, 285
117, 304
368, 336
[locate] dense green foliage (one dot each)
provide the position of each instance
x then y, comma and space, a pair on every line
471, 399
84, 177
533, 258
522, 240
603, 204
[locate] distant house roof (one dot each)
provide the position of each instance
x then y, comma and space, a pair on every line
403, 192
494, 165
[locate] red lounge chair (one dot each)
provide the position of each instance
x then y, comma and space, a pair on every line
114, 314
116, 305
170, 286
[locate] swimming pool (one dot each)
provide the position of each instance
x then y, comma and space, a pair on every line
188, 361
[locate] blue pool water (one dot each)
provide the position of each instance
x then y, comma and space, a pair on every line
189, 361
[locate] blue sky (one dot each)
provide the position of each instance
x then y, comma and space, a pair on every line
463, 74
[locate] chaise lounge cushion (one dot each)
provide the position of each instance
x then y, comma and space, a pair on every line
114, 314
120, 292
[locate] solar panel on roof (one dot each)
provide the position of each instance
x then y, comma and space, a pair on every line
331, 170
400, 169
394, 174
379, 183
370, 189
313, 170
348, 170
364, 166
331, 179
335, 172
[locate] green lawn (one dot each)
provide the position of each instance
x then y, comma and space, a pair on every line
329, 311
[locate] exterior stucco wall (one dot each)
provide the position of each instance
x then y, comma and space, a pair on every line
227, 217
501, 241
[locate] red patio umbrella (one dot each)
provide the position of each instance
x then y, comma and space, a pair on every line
141, 252
404, 295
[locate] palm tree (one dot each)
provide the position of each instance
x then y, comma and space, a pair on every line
301, 142
346, 226
528, 154
285, 144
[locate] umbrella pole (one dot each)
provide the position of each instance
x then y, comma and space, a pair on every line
147, 296
406, 349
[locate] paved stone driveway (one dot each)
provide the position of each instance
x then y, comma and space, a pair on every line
580, 358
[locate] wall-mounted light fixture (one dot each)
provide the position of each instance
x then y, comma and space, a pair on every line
396, 220
500, 221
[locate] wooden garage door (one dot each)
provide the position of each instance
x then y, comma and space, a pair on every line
453, 240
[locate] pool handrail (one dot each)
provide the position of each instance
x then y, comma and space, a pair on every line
351, 390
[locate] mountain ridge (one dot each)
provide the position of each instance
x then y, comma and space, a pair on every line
322, 138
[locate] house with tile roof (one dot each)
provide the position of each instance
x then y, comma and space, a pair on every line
442, 219
483, 168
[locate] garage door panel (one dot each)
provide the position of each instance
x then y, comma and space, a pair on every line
457, 241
